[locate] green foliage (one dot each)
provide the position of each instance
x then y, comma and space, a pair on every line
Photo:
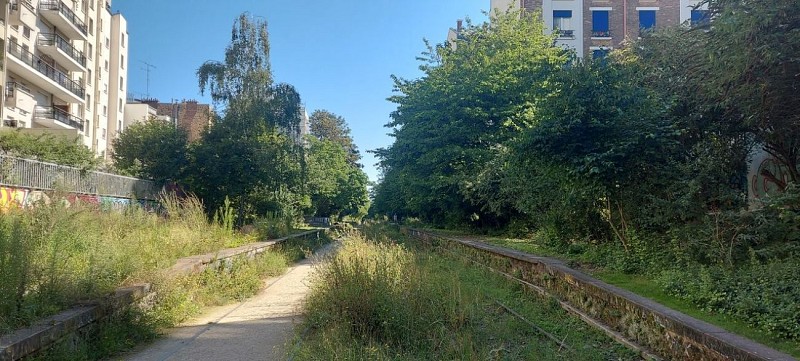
337, 187
380, 299
47, 148
154, 149
327, 126
450, 123
52, 257
762, 294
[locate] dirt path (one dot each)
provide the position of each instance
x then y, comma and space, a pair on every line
256, 329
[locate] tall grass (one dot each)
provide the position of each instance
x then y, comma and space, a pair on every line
52, 256
379, 299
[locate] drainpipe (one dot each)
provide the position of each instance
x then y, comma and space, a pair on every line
624, 20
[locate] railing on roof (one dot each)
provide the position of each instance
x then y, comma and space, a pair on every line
26, 173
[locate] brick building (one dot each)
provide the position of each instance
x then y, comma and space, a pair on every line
188, 115
593, 27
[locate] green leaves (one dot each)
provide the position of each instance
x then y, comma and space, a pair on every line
154, 149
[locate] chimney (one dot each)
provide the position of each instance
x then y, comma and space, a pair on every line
459, 25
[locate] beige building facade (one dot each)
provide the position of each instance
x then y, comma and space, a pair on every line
65, 69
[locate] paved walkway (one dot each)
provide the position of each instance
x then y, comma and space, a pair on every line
257, 329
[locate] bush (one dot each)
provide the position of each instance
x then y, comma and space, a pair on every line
765, 295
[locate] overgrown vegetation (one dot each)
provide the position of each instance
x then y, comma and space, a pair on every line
377, 299
47, 147
637, 162
52, 257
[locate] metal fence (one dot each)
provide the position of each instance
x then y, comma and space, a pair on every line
26, 173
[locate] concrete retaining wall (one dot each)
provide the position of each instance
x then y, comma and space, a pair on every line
665, 332
70, 323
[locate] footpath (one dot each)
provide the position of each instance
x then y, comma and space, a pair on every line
259, 328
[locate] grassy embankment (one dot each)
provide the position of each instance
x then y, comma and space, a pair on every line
52, 258
384, 298
647, 285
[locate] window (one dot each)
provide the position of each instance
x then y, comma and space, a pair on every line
86, 128
647, 20
600, 24
26, 32
91, 26
105, 89
104, 133
700, 18
122, 61
562, 22
121, 83
119, 126
106, 65
89, 76
105, 112
122, 40
120, 109
91, 4
599, 54
108, 43
89, 51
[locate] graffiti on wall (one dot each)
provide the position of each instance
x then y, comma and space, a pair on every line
20, 198
761, 185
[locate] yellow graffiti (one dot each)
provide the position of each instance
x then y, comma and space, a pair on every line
12, 198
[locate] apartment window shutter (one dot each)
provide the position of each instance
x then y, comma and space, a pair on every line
600, 20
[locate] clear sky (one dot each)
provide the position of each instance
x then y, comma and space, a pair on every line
338, 54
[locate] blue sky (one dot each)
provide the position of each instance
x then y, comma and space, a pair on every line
338, 54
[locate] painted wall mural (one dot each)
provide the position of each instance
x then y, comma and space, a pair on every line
20, 198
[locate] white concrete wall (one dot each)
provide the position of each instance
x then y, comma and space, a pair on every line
576, 6
686, 9
496, 6
137, 113
118, 76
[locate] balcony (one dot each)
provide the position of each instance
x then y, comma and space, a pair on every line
568, 34
36, 71
601, 34
53, 117
60, 15
23, 13
19, 96
62, 51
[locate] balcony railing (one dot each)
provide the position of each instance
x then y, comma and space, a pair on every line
566, 33
47, 70
65, 11
601, 34
56, 40
26, 3
59, 115
11, 86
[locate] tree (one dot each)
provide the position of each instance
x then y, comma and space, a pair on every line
452, 122
253, 154
752, 73
336, 187
153, 149
328, 126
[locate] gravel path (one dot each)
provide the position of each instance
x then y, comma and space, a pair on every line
256, 329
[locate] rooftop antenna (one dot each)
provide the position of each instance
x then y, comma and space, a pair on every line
147, 68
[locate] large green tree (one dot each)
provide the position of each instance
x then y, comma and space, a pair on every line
329, 126
153, 149
47, 148
337, 187
253, 154
451, 123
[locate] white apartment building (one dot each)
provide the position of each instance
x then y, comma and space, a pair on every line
65, 69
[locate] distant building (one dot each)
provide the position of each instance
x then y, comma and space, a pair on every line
64, 69
594, 27
188, 115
